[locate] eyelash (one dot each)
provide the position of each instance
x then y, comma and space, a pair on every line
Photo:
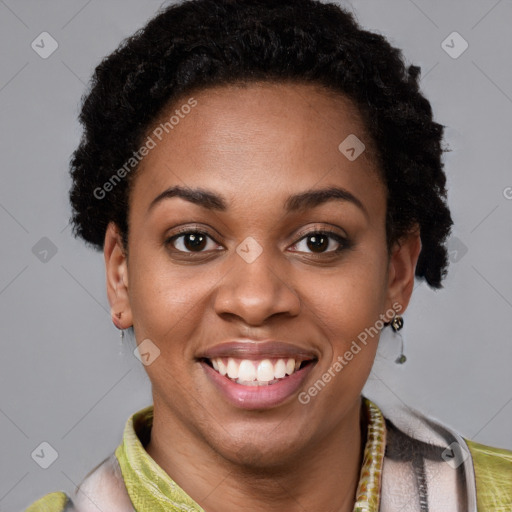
342, 241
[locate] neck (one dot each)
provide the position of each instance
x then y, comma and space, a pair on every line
324, 476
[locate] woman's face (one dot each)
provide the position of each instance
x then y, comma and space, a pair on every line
250, 164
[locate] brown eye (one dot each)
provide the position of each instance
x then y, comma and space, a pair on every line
318, 242
189, 241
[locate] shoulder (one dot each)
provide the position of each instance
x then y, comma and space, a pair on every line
493, 475
103, 488
52, 502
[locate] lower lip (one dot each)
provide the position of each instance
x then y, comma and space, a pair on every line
257, 397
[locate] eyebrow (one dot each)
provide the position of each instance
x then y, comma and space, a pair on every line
304, 200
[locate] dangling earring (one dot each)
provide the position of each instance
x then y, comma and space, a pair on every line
396, 324
122, 330
121, 334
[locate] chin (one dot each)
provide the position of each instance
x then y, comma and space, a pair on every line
261, 451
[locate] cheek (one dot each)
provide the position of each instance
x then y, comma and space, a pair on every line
161, 296
348, 304
170, 303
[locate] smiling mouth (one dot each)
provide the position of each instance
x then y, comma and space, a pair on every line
261, 372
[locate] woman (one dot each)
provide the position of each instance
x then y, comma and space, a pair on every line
265, 181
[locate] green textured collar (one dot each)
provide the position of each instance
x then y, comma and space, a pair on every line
150, 488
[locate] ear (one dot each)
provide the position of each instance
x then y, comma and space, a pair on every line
402, 267
117, 278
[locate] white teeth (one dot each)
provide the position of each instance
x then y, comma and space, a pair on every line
247, 371
265, 371
232, 368
222, 367
254, 373
280, 369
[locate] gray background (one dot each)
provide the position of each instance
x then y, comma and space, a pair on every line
64, 376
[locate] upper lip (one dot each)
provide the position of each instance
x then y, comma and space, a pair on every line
252, 349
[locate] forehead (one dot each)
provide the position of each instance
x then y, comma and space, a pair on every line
259, 139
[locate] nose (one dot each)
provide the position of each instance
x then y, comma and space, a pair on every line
254, 291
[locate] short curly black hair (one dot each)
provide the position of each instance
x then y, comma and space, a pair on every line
197, 44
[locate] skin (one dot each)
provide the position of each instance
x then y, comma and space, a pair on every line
255, 146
